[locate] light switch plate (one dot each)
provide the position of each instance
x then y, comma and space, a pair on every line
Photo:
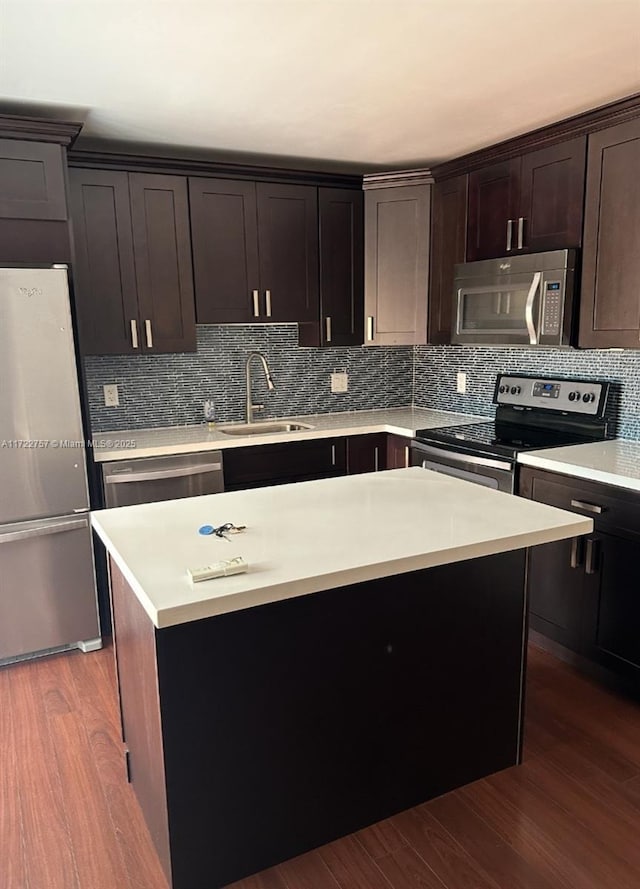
461, 382
111, 397
339, 382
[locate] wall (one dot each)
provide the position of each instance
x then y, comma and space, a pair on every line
436, 367
168, 390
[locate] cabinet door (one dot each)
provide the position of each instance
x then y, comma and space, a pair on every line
493, 210
288, 250
162, 245
31, 180
104, 270
224, 236
397, 222
398, 456
551, 197
613, 634
279, 464
341, 266
610, 298
556, 591
366, 453
448, 246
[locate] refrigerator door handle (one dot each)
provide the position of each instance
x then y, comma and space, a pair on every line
42, 531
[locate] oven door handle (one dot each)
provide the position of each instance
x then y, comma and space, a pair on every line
528, 309
464, 458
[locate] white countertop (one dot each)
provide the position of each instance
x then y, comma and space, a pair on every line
614, 462
311, 536
164, 441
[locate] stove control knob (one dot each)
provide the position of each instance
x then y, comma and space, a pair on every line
574, 396
516, 390
588, 396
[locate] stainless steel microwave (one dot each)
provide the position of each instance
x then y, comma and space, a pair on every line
518, 301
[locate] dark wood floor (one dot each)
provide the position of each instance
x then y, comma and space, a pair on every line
568, 818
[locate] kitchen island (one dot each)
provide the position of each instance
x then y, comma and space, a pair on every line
370, 659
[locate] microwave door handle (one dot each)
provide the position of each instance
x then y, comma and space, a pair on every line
528, 309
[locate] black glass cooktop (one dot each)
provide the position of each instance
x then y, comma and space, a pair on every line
504, 439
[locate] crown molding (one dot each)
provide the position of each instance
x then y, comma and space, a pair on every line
396, 178
39, 129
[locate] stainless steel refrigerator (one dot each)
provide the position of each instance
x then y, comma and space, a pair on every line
47, 580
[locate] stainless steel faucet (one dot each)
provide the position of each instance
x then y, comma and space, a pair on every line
251, 407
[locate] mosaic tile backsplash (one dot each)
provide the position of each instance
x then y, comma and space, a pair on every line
168, 390
436, 367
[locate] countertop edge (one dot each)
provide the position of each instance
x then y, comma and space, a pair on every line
575, 470
176, 615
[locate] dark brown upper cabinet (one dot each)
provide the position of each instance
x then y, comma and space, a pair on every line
255, 251
288, 250
224, 234
133, 283
610, 298
31, 180
528, 203
341, 232
397, 222
448, 247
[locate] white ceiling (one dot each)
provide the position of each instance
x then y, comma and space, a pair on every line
375, 84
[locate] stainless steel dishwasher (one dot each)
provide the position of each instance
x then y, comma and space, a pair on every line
149, 479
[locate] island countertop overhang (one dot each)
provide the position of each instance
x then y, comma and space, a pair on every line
312, 536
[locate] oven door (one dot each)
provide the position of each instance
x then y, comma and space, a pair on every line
492, 472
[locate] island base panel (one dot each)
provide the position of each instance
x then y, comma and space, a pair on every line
288, 725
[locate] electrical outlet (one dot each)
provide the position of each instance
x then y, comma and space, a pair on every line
339, 382
461, 382
111, 397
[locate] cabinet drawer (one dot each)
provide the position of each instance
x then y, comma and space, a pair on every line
261, 465
610, 508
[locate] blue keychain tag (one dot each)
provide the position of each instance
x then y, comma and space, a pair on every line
206, 529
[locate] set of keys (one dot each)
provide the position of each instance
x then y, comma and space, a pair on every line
221, 531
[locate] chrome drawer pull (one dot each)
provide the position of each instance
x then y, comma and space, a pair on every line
588, 507
591, 558
256, 306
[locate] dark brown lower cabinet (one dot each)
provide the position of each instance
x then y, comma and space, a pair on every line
279, 464
584, 593
398, 456
257, 735
366, 453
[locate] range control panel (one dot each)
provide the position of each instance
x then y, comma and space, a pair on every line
587, 397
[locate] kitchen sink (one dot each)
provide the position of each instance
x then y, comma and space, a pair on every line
262, 428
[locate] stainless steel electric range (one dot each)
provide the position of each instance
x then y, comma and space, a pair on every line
531, 413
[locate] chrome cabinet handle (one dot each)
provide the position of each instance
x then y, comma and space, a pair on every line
267, 299
134, 333
528, 309
591, 558
406, 456
370, 328
333, 455
509, 234
521, 233
256, 303
376, 459
148, 333
328, 329
576, 555
588, 507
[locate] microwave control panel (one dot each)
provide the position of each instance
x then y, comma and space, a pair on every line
587, 397
552, 308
